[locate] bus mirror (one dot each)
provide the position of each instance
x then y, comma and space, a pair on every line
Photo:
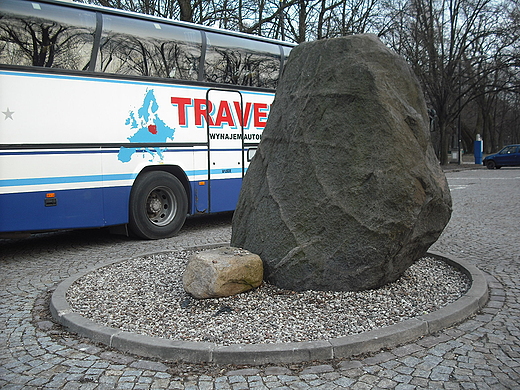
250, 154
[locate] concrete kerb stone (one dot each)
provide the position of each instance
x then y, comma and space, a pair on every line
155, 347
255, 354
377, 339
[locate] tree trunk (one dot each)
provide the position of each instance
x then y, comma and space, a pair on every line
302, 20
186, 10
444, 143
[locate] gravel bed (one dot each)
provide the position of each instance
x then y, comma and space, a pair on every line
145, 295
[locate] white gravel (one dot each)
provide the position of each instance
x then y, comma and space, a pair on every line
145, 295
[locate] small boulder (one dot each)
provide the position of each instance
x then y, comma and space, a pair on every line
222, 272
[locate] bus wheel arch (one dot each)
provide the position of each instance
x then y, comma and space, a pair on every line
159, 203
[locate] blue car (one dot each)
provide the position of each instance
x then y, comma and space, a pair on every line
507, 157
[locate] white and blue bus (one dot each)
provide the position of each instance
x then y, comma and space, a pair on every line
112, 118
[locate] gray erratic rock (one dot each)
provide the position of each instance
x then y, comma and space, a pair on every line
345, 191
222, 272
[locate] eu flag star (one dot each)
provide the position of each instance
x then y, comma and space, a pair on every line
8, 114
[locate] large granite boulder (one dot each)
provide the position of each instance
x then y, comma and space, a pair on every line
345, 191
222, 272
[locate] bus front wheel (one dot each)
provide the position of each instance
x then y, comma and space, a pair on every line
158, 205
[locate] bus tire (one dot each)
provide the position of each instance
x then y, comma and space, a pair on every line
158, 205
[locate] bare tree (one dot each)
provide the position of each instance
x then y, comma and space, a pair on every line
451, 45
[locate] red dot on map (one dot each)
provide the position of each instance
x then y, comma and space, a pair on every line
152, 129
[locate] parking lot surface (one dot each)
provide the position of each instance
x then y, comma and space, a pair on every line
481, 353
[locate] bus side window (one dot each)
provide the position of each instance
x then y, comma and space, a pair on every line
46, 35
234, 60
145, 48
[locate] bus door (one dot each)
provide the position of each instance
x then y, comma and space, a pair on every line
224, 121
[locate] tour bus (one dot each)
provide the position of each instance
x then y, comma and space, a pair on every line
113, 118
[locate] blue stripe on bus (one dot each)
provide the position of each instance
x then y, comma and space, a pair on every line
100, 178
225, 170
95, 151
104, 80
219, 171
53, 152
113, 151
65, 179
98, 79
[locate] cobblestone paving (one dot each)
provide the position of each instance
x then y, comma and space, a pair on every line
481, 353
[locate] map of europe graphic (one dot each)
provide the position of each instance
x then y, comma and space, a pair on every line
148, 128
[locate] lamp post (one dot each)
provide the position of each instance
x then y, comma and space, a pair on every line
459, 130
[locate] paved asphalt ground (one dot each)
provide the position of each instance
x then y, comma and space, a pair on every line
481, 353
